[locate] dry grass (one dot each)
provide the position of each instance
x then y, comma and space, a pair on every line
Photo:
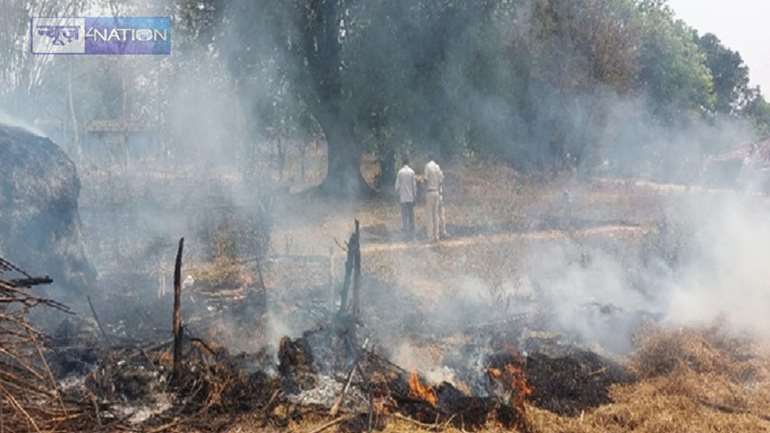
691, 381
664, 351
698, 381
223, 273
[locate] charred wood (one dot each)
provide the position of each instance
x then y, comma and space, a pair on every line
177, 318
98, 322
31, 281
355, 310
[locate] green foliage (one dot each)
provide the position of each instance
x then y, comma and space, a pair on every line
535, 83
532, 82
730, 75
672, 68
757, 109
733, 94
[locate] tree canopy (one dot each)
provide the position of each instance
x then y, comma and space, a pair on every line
539, 84
530, 82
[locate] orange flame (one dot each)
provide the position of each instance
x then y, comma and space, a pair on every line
420, 391
513, 377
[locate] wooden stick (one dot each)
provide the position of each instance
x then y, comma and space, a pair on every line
203, 344
330, 424
415, 422
270, 402
338, 403
32, 281
15, 404
177, 319
371, 411
356, 271
44, 362
349, 262
261, 277
157, 346
6, 265
98, 322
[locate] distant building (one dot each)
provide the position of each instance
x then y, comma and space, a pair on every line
118, 141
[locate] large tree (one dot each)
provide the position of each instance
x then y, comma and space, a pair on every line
296, 46
730, 74
320, 47
532, 82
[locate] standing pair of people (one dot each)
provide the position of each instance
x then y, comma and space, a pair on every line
406, 187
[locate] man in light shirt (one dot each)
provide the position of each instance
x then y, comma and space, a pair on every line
406, 188
434, 179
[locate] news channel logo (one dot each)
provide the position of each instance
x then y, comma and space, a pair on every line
101, 35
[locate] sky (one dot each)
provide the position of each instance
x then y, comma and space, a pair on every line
742, 25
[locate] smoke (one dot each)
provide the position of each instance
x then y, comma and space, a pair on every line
705, 266
215, 135
189, 157
700, 260
9, 120
724, 277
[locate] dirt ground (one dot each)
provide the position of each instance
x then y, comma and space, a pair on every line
493, 217
690, 380
706, 382
479, 199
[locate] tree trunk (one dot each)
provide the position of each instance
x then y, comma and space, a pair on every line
343, 176
388, 169
344, 173
322, 48
177, 317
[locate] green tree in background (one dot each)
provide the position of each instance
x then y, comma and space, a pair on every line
672, 70
730, 75
541, 85
733, 94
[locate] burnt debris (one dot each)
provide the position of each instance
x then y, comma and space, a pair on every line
339, 369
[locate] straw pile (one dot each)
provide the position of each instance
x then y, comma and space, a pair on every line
690, 381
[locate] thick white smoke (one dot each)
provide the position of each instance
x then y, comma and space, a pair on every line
727, 277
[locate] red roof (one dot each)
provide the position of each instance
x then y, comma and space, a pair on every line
762, 150
759, 151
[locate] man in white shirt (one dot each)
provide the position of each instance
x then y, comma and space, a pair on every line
406, 188
434, 179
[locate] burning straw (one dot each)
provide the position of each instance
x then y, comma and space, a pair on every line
420, 391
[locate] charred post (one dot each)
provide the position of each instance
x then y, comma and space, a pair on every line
261, 276
177, 319
349, 265
98, 322
32, 281
356, 271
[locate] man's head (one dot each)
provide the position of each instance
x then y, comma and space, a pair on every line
405, 160
432, 156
